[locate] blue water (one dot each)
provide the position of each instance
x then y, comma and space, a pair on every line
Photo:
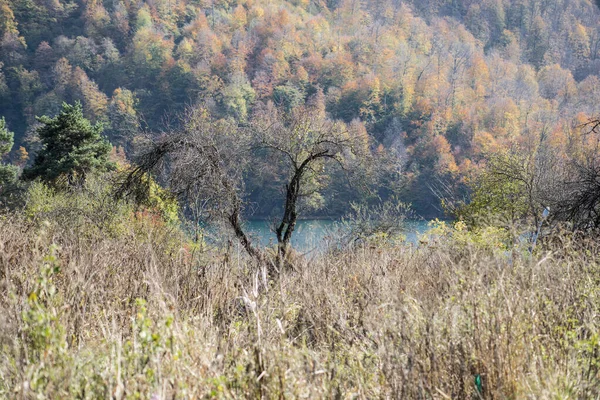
313, 234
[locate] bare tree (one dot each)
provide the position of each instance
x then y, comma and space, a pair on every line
203, 161
579, 200
303, 141
575, 197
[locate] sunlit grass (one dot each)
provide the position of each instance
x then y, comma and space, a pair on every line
140, 315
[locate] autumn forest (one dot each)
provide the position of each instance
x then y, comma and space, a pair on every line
440, 84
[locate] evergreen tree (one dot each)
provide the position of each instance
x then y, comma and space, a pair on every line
8, 173
71, 147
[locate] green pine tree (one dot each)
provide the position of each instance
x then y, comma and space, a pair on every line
71, 148
8, 173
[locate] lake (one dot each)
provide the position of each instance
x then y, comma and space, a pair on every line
311, 234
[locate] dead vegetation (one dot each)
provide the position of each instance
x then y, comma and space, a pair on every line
144, 315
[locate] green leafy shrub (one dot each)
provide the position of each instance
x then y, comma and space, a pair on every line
92, 208
487, 238
89, 210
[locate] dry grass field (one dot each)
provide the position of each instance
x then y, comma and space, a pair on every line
142, 314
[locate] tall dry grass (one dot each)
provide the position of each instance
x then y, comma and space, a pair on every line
143, 315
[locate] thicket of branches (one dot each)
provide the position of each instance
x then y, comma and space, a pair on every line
205, 162
517, 185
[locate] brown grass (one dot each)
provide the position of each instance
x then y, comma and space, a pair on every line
368, 322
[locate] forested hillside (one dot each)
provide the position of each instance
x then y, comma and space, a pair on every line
440, 84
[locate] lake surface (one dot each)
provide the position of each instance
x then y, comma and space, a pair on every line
312, 234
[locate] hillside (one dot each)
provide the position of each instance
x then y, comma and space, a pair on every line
441, 84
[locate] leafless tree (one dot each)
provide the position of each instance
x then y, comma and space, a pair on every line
302, 142
205, 161
577, 199
568, 180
